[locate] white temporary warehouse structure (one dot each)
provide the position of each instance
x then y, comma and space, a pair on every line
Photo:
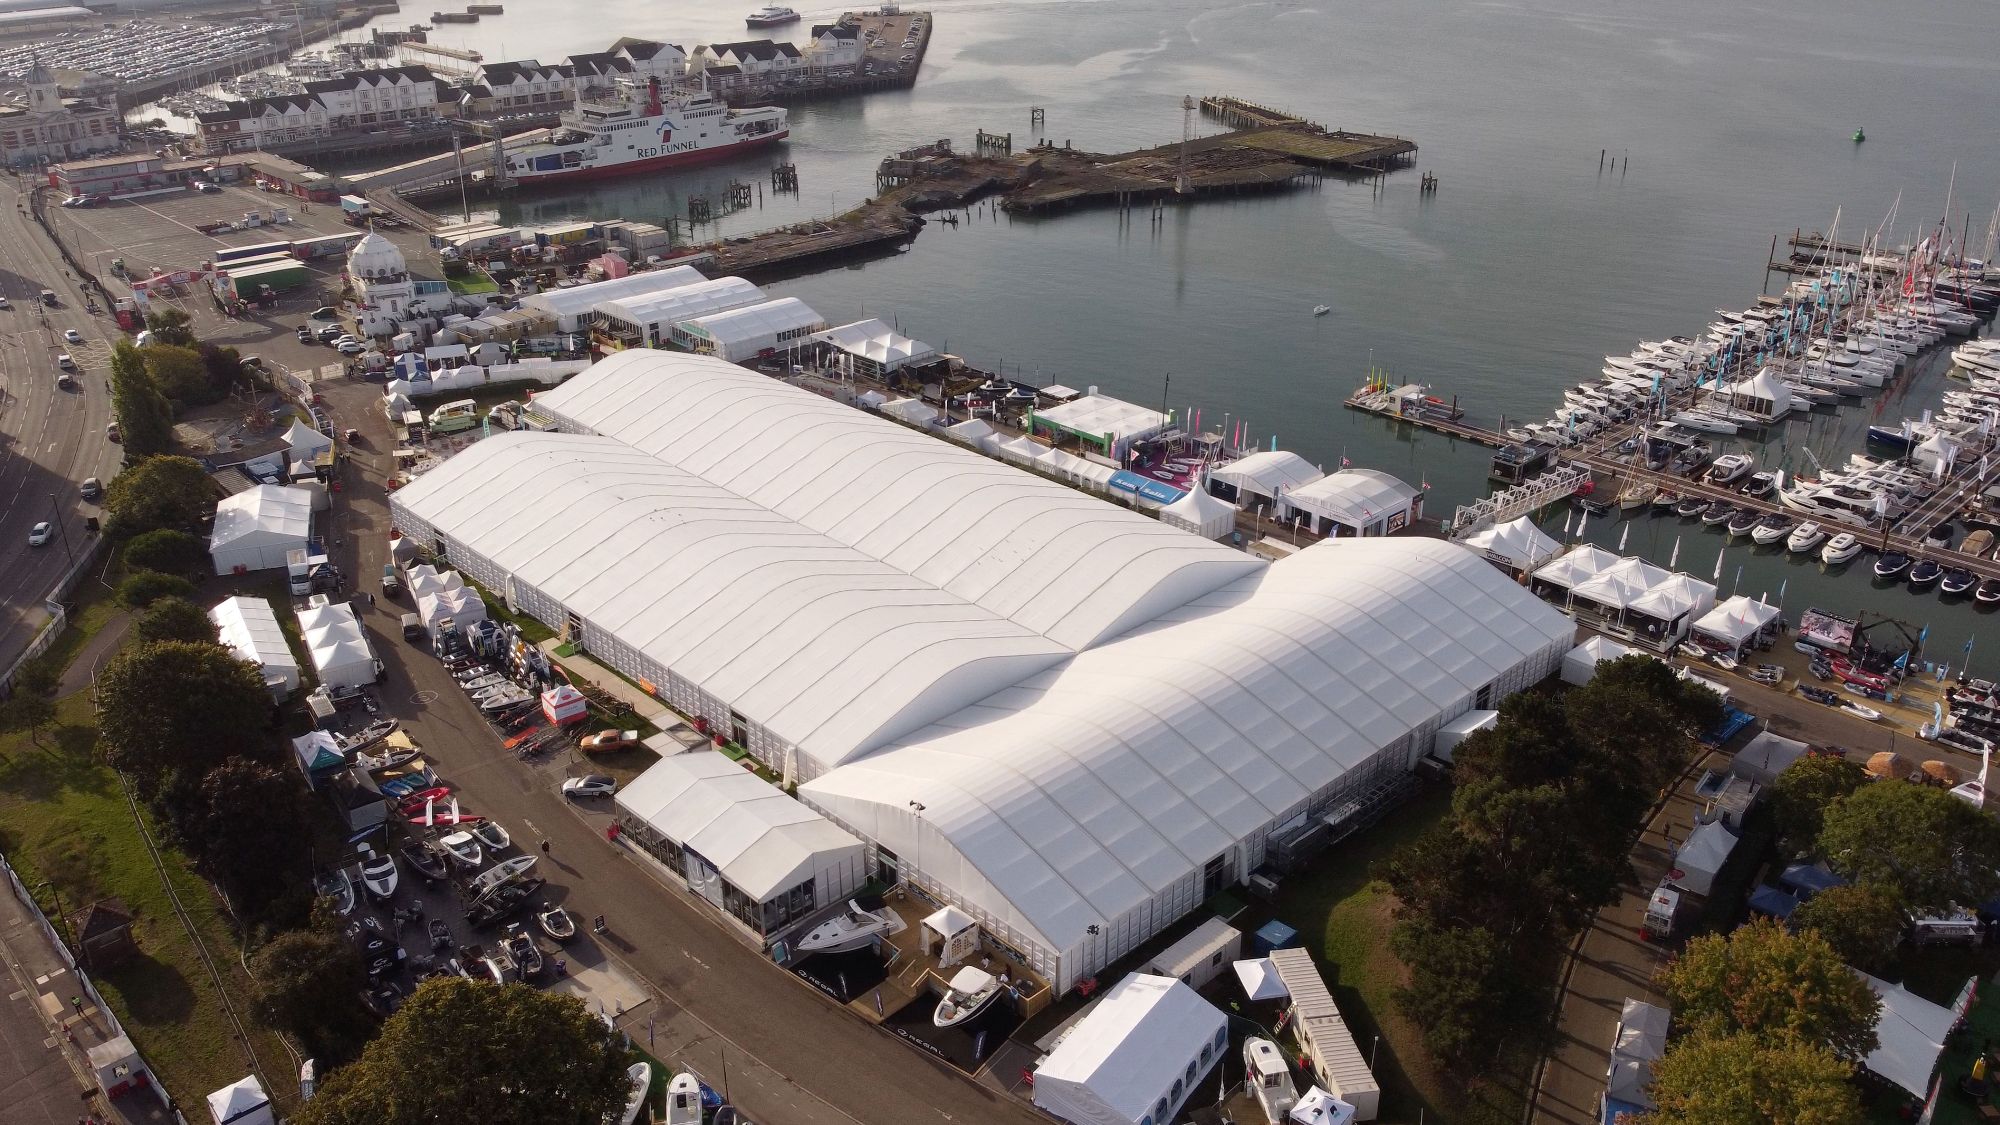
1580, 666
1517, 546
1573, 568
1458, 730
255, 529
1023, 449
571, 307
1671, 604
1082, 470
739, 841
1767, 756
305, 442
915, 411
1701, 857
461, 603
1108, 423
651, 316
975, 432
1317, 1107
249, 628
1199, 957
890, 619
1731, 624
1134, 1058
1259, 979
875, 348
1354, 502
1910, 1035
745, 333
1617, 586
242, 1102
1640, 1041
1208, 516
340, 653
423, 580
1329, 1044
1265, 473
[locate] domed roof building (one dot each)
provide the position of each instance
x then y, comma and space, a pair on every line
375, 258
385, 293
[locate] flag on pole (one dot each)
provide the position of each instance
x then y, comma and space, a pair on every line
1718, 563
1567, 521
1624, 534
1674, 561
1738, 584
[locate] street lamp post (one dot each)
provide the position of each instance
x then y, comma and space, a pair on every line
62, 923
64, 531
918, 808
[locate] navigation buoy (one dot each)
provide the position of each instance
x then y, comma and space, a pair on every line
1860, 135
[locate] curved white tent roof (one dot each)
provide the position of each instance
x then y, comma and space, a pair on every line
1736, 620
248, 628
1122, 1063
1078, 793
754, 322
672, 306
1266, 472
1355, 497
568, 304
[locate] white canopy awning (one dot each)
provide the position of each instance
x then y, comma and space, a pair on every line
1264, 473
242, 1102
1676, 597
317, 750
1910, 1034
1517, 544
1579, 565
950, 920
877, 343
1735, 621
1317, 1107
1260, 979
1641, 1041
1621, 583
1356, 498
1208, 516
306, 442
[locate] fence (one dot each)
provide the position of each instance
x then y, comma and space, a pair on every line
58, 621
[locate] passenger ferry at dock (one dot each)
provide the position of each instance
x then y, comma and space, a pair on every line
641, 129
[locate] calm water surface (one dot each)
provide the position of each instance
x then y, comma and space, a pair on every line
1527, 267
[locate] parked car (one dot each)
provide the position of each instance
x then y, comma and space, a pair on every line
72, 336
92, 488
331, 332
580, 788
64, 361
605, 741
64, 382
111, 431
306, 336
349, 347
392, 583
38, 536
3, 302
326, 312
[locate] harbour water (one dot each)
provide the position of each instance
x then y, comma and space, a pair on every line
1515, 279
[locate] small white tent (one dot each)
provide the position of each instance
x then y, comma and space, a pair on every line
306, 443
1731, 624
1580, 666
242, 1102
1317, 1107
249, 629
1023, 449
975, 432
1517, 546
1134, 1057
256, 528
1572, 569
1701, 857
459, 603
1910, 1035
1260, 979
1207, 516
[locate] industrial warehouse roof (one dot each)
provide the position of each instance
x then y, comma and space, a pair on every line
685, 302
580, 299
752, 322
1085, 789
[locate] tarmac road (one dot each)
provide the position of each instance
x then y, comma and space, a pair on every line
50, 439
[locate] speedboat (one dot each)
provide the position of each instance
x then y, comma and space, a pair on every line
1743, 521
1717, 513
1760, 484
1860, 709
1988, 592
1666, 498
1892, 564
1690, 507
493, 836
1841, 549
1322, 310
426, 860
853, 928
522, 951
463, 849
337, 886
1729, 468
378, 874
1956, 581
971, 990
1924, 574
639, 1082
555, 922
504, 872
771, 16
1805, 537
684, 1101
1771, 528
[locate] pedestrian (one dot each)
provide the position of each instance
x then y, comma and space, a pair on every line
545, 847
77, 1003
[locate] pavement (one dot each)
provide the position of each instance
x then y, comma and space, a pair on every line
715, 1003
50, 439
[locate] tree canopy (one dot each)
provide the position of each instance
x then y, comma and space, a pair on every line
179, 374
145, 417
172, 706
1768, 982
1461, 986
309, 982
170, 325
142, 588
174, 619
169, 492
1861, 922
1743, 1080
463, 1050
1637, 707
1804, 791
241, 826
168, 550
1922, 845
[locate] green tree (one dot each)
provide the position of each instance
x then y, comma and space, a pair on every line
1929, 849
179, 374
1768, 982
225, 370
1742, 1080
174, 619
170, 325
1803, 793
1861, 922
169, 551
170, 492
175, 706
145, 417
1638, 713
1463, 988
241, 826
309, 982
29, 711
144, 587
461, 1050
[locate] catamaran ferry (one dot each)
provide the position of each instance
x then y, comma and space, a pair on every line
641, 129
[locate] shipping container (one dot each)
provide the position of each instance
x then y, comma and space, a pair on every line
280, 276
242, 253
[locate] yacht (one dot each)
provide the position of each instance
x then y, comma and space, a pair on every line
1705, 421
1771, 529
1805, 537
771, 17
970, 991
1730, 468
1717, 513
1743, 521
1841, 549
853, 928
1839, 502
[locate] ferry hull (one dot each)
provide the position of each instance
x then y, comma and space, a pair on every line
653, 164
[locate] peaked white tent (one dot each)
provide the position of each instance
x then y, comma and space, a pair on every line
1566, 572
256, 528
915, 411
340, 652
242, 1102
1701, 856
1640, 1041
876, 348
248, 628
1023, 449
975, 432
1670, 605
460, 603
1208, 516
1355, 502
1731, 624
1260, 979
1264, 473
1617, 586
1317, 1107
306, 443
1580, 666
1910, 1034
1134, 1058
1761, 394
1517, 546
424, 580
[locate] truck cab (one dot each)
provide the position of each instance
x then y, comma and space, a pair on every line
1662, 912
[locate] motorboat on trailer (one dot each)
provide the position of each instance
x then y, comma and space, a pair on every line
852, 928
1805, 537
337, 886
1771, 529
970, 991
1841, 549
426, 860
505, 871
463, 850
492, 836
639, 1082
555, 922
379, 875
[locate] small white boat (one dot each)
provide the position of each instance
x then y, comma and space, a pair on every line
1840, 549
493, 836
640, 1078
1805, 537
503, 872
853, 928
971, 990
1860, 709
337, 886
1771, 529
463, 850
684, 1100
1729, 468
1723, 660
1322, 310
378, 874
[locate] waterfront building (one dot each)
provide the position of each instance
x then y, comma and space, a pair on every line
51, 127
742, 334
834, 46
358, 99
1069, 720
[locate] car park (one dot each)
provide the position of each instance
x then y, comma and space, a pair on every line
38, 536
588, 786
72, 336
